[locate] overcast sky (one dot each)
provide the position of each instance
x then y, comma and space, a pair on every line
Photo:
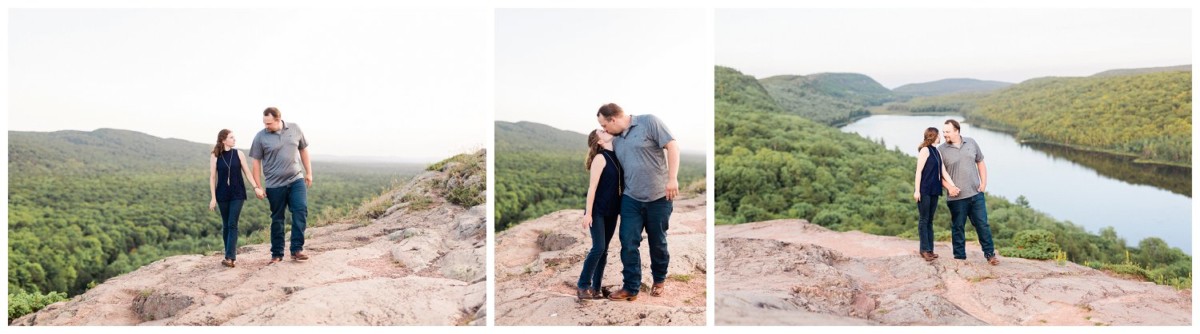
398, 84
900, 46
558, 66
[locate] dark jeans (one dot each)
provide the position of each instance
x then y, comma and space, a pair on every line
295, 198
652, 217
927, 206
230, 211
593, 265
975, 208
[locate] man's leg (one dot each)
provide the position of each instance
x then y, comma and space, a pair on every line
978, 214
277, 198
631, 236
658, 214
298, 203
958, 218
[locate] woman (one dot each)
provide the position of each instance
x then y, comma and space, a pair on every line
931, 177
600, 216
228, 192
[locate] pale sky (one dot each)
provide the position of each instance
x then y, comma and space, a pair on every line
901, 46
558, 66
405, 85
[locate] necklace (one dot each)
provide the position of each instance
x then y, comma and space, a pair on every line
620, 174
228, 172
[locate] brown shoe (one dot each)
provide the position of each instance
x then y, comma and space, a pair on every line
601, 293
228, 263
993, 260
657, 289
584, 294
275, 260
299, 256
622, 295
928, 256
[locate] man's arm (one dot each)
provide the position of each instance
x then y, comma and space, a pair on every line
308, 174
982, 175
672, 169
257, 171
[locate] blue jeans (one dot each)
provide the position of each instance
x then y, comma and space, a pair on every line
593, 265
652, 217
295, 198
927, 206
230, 211
974, 207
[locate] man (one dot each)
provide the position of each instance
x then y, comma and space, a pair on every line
964, 162
650, 186
277, 152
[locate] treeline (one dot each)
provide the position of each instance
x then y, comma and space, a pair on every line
539, 170
1147, 115
772, 165
80, 213
829, 98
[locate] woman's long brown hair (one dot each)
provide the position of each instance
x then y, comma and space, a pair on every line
220, 148
593, 149
931, 135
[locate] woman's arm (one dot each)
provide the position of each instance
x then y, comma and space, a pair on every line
598, 164
921, 157
246, 170
212, 182
946, 181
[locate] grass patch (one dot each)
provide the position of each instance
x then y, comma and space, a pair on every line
681, 277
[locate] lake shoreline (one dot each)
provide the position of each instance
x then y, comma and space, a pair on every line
1137, 159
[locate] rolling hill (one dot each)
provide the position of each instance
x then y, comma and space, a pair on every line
87, 206
950, 86
831, 98
771, 164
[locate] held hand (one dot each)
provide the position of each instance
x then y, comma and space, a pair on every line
917, 196
672, 189
212, 204
587, 222
308, 180
954, 191
260, 193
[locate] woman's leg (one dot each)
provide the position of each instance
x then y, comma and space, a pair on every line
926, 207
606, 231
231, 228
595, 255
223, 208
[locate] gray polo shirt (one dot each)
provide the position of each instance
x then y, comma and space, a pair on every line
280, 154
960, 163
640, 150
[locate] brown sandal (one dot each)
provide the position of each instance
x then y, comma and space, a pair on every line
993, 260
228, 263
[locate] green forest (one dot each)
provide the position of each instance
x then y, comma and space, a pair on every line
87, 206
772, 164
830, 98
1145, 114
539, 170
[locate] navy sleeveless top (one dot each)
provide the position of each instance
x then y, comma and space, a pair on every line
931, 175
608, 191
229, 177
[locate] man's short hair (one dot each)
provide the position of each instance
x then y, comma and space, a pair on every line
272, 111
955, 123
609, 111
